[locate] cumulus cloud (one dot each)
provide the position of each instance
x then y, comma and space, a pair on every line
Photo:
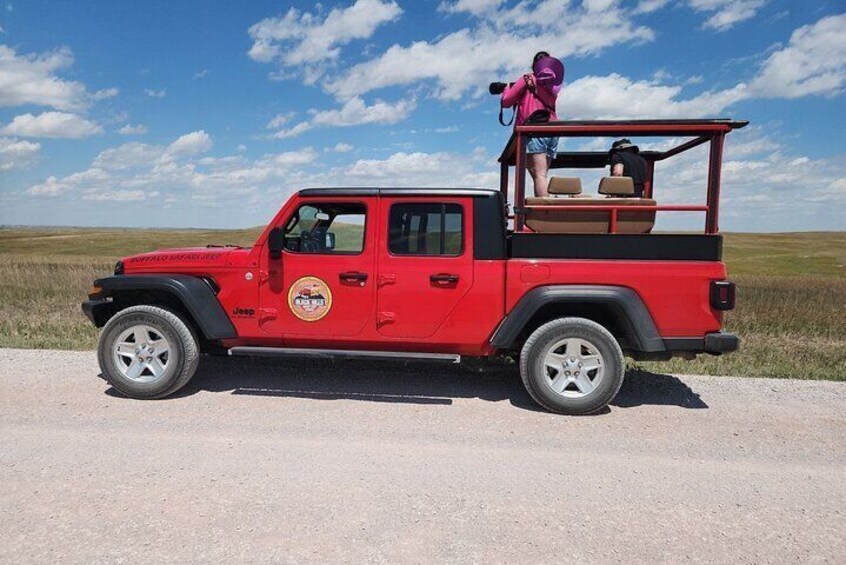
105, 93
354, 112
17, 154
341, 148
32, 79
724, 14
130, 129
152, 93
814, 62
475, 7
617, 97
141, 172
128, 155
191, 144
302, 37
498, 46
51, 124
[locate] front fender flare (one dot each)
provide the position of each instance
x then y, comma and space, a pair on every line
193, 292
625, 305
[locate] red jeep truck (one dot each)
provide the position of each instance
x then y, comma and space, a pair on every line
567, 284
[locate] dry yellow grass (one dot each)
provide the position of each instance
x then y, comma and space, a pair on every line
791, 309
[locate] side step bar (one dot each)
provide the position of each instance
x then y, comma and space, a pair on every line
343, 354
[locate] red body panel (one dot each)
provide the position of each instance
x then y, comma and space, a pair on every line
675, 292
398, 307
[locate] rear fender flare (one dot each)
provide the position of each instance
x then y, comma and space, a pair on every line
192, 292
625, 305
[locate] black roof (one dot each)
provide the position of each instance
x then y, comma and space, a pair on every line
373, 191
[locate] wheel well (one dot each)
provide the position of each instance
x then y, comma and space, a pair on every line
135, 297
602, 314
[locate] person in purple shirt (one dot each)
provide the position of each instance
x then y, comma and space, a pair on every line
533, 92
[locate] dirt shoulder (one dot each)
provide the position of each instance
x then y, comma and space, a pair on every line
360, 462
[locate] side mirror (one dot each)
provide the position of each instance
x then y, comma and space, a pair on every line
276, 242
330, 241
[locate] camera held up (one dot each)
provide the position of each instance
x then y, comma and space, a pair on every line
497, 88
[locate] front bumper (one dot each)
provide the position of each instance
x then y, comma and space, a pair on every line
721, 342
98, 310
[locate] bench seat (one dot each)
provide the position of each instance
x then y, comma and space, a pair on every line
589, 221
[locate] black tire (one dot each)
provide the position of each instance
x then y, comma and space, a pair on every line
539, 382
180, 363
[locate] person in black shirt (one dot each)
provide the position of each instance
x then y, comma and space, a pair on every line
625, 162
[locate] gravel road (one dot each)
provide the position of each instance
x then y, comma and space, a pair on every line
304, 461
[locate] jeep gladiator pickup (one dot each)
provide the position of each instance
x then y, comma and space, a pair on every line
568, 285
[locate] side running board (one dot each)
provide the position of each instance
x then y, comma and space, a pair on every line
343, 354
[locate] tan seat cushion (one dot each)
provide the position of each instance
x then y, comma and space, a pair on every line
565, 185
617, 186
589, 221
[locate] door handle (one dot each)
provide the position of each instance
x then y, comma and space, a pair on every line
443, 278
353, 276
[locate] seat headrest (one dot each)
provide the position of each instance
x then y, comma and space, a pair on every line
565, 185
617, 186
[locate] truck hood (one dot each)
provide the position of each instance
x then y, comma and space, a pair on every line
178, 257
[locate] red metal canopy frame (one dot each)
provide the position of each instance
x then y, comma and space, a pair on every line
702, 131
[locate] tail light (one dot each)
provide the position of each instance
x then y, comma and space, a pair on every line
722, 295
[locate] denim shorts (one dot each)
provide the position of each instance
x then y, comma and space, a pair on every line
548, 145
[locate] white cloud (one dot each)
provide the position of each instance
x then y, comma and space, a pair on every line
814, 62
201, 74
142, 172
475, 7
191, 144
648, 6
105, 93
280, 120
501, 45
341, 148
128, 155
129, 129
31, 79
727, 13
155, 93
51, 124
303, 37
16, 154
354, 112
618, 97
119, 195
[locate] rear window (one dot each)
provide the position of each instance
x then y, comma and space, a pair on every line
426, 229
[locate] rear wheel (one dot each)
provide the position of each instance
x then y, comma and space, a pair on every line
147, 352
572, 366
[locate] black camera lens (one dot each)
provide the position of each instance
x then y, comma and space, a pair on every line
496, 88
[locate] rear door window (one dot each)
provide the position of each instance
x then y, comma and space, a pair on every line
426, 229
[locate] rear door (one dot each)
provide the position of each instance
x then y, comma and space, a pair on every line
425, 263
326, 287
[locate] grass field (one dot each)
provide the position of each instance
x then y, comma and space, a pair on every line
791, 310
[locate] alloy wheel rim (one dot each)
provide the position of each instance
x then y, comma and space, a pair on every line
142, 354
573, 367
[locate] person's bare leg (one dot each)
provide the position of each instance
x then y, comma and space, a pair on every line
538, 166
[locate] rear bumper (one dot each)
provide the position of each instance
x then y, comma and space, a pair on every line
715, 343
721, 342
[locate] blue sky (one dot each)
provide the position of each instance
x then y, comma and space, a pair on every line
209, 114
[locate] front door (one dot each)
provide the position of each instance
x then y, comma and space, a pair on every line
325, 287
425, 266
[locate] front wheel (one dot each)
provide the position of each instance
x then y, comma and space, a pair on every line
572, 366
147, 352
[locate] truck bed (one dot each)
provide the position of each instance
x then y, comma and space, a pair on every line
658, 247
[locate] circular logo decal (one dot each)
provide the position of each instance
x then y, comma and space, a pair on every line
309, 299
